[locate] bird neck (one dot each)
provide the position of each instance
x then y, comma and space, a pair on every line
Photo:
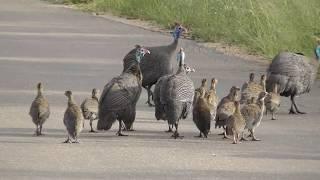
39, 92
173, 46
213, 87
70, 101
95, 97
317, 52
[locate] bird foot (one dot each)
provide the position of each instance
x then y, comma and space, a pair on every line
129, 130
93, 131
255, 139
168, 131
243, 139
199, 136
273, 119
120, 134
221, 134
292, 111
67, 141
150, 104
176, 135
76, 142
301, 112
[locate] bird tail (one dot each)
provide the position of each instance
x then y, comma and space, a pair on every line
105, 122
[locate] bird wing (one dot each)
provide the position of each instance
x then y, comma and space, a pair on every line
180, 88
120, 92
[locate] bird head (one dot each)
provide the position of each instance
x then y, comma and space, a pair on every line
68, 93
262, 96
178, 30
39, 86
189, 69
140, 52
95, 92
251, 77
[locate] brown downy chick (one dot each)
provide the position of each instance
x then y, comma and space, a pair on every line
39, 110
236, 123
253, 114
212, 98
73, 119
203, 87
272, 102
253, 90
89, 108
226, 108
201, 115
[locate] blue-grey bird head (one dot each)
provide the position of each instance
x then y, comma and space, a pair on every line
140, 52
317, 52
178, 30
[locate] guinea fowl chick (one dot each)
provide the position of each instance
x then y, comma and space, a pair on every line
236, 123
226, 108
253, 89
89, 108
201, 114
203, 87
73, 119
253, 114
272, 101
212, 98
39, 110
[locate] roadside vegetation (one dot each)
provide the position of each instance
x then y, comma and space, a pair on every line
258, 26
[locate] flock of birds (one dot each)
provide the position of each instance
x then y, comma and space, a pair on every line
174, 95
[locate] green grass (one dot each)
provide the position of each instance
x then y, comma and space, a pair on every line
264, 27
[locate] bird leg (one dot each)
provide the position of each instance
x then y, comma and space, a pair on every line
176, 134
295, 105
253, 136
40, 130
234, 139
36, 133
67, 140
273, 118
170, 128
76, 140
92, 131
150, 94
119, 133
199, 136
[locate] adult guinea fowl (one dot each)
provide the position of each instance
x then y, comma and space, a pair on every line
157, 63
39, 110
294, 74
119, 97
159, 107
89, 108
176, 97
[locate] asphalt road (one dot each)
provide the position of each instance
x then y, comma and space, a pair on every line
68, 49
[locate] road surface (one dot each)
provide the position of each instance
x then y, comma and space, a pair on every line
67, 49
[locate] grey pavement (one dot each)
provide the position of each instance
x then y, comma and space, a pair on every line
69, 49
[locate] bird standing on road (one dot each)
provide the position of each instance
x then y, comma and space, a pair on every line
201, 114
39, 110
157, 63
89, 108
236, 124
272, 102
295, 75
119, 97
73, 119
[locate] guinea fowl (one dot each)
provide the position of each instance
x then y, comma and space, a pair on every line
253, 89
159, 107
226, 108
295, 75
201, 114
176, 97
253, 114
119, 97
89, 108
272, 102
156, 64
39, 110
73, 119
212, 98
236, 123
